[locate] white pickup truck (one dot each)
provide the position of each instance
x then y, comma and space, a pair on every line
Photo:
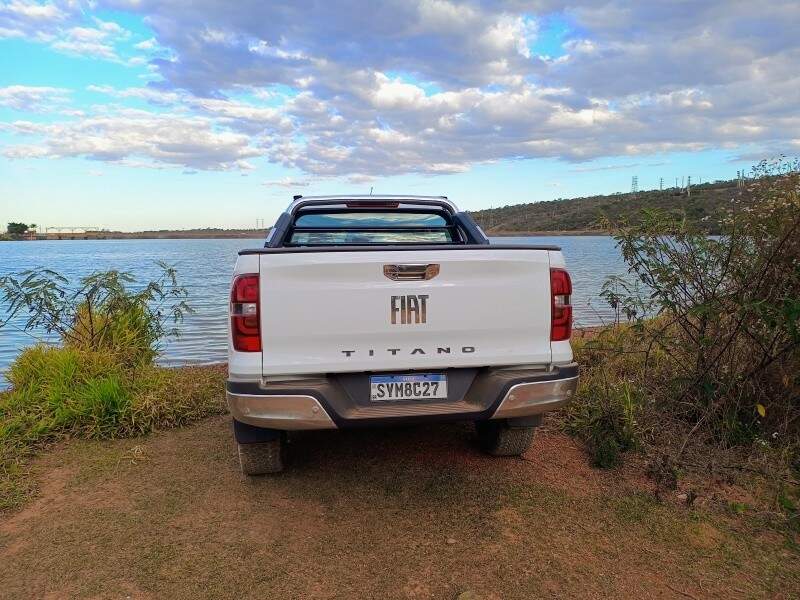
381, 310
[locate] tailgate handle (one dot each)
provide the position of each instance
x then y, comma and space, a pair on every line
410, 272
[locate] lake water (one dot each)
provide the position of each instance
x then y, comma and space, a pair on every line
204, 268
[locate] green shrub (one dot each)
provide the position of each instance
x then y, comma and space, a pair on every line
126, 332
102, 313
728, 329
605, 412
64, 389
604, 416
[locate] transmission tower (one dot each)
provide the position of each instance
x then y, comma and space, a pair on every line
689, 186
660, 184
634, 185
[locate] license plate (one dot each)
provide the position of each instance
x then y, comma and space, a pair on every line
388, 388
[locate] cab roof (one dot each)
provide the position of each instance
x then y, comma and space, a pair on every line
365, 200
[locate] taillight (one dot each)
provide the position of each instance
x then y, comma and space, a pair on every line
561, 311
245, 323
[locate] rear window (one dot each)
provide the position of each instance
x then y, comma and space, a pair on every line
321, 228
371, 219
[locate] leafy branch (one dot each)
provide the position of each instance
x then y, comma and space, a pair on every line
104, 311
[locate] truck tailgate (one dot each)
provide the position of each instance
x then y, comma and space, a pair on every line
324, 312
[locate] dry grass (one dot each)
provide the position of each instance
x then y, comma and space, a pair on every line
385, 513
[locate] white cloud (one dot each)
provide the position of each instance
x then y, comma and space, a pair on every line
24, 19
238, 115
138, 138
360, 178
153, 95
32, 98
287, 182
242, 115
148, 44
92, 42
34, 11
89, 49
63, 25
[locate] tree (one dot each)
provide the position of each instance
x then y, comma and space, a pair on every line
17, 228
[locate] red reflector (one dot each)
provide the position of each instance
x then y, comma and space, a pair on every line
245, 318
561, 308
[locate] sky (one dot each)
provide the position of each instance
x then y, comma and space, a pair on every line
160, 114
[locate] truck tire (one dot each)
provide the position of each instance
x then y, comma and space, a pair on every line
499, 439
261, 458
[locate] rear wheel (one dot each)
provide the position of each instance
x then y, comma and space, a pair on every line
261, 451
261, 458
498, 438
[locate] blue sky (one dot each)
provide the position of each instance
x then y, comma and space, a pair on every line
139, 115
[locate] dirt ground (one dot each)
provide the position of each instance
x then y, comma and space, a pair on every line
391, 513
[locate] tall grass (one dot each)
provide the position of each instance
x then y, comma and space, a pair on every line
607, 412
89, 394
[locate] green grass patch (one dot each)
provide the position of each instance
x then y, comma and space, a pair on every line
60, 392
634, 508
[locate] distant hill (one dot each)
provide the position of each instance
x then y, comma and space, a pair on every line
582, 215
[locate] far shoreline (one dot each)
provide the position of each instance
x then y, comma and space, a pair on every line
217, 234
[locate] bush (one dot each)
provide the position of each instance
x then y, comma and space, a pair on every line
610, 399
705, 347
604, 416
103, 313
63, 389
727, 308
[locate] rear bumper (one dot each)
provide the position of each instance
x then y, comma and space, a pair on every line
343, 400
